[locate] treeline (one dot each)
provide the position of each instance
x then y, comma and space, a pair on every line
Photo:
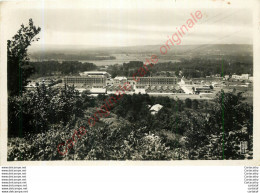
190, 68
194, 127
68, 56
46, 68
127, 69
197, 67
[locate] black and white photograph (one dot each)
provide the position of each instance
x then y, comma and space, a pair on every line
129, 81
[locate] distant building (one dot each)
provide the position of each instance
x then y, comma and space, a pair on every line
120, 80
234, 76
85, 81
155, 109
217, 84
185, 81
94, 90
245, 76
163, 89
152, 81
202, 89
109, 81
114, 89
242, 77
131, 81
226, 77
95, 74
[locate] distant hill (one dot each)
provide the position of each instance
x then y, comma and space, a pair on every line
107, 53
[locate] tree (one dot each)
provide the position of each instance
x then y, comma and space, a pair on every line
195, 104
38, 110
188, 102
18, 68
231, 122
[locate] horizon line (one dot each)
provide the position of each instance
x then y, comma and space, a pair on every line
95, 46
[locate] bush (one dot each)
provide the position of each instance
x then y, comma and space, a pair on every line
35, 111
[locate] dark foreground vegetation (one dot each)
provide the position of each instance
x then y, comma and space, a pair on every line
41, 119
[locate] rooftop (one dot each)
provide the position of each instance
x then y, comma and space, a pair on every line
155, 108
94, 73
120, 78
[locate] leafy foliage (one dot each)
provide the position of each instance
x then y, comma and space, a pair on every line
47, 68
17, 58
38, 110
194, 67
131, 132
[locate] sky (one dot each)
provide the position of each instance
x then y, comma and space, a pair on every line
131, 24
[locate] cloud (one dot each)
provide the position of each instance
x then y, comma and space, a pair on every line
134, 26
